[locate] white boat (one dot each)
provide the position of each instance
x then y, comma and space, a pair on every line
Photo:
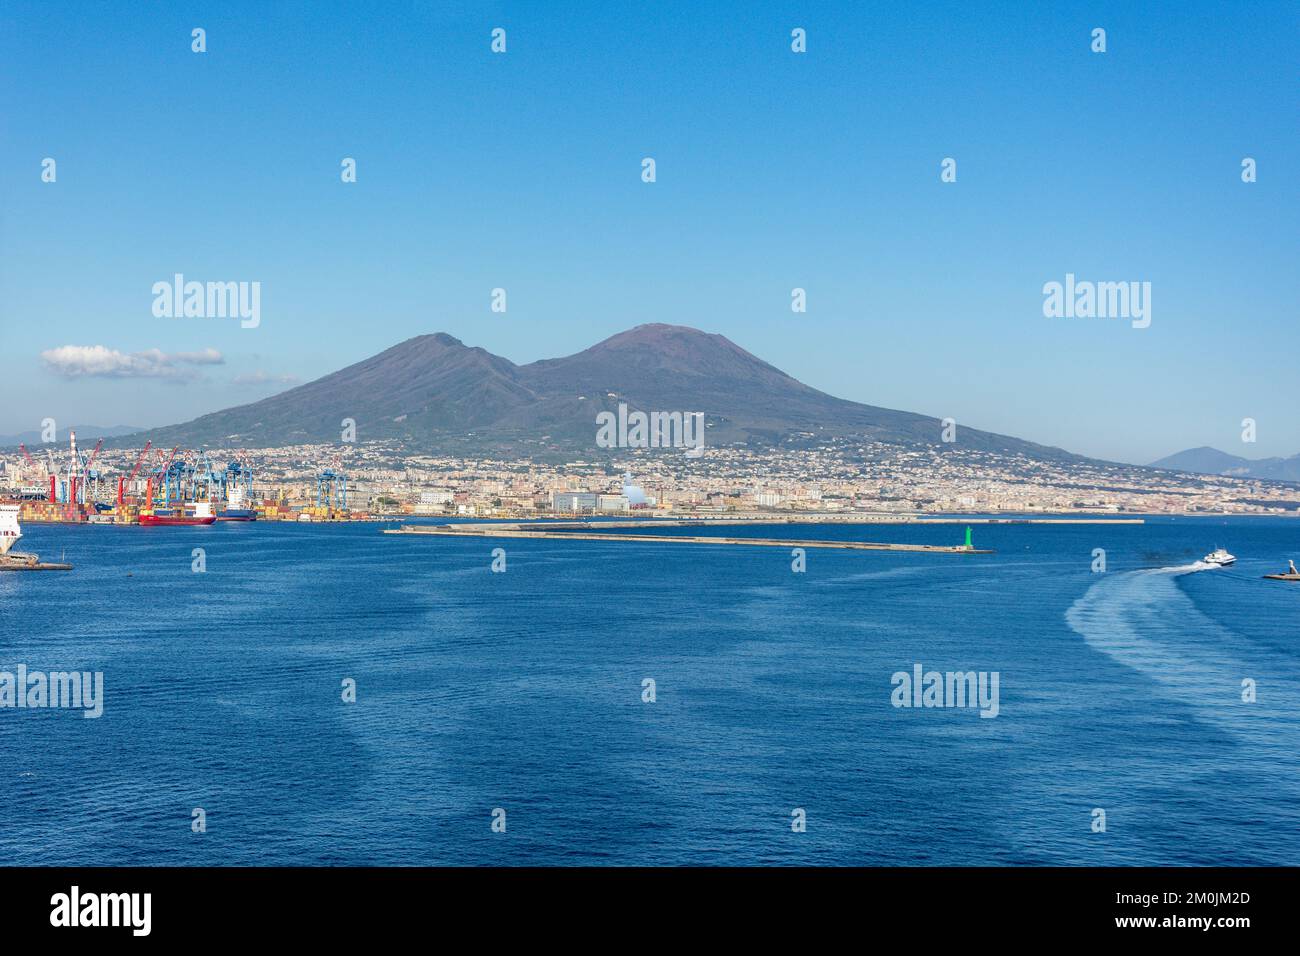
1219, 558
10, 532
11, 560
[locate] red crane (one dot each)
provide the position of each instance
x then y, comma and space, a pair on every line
27, 454
94, 454
123, 482
148, 493
140, 461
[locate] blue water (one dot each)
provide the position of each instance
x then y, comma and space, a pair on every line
522, 691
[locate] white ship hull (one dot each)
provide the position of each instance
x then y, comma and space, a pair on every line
9, 530
11, 560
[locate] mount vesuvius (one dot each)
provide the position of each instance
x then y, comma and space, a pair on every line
435, 392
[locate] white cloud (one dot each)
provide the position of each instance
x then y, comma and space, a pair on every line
78, 361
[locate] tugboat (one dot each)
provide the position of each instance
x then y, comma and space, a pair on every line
1290, 574
167, 516
10, 532
1219, 558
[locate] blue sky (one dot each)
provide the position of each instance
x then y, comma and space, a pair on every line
774, 170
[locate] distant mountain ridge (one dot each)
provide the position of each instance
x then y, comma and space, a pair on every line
1210, 461
33, 438
433, 391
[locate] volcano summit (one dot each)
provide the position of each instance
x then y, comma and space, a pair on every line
435, 392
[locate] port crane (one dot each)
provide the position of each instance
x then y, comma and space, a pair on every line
162, 471
88, 474
331, 489
122, 482
237, 475
91, 476
179, 473
76, 476
211, 479
53, 471
31, 462
32, 475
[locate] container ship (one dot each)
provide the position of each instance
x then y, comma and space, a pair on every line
236, 507
202, 514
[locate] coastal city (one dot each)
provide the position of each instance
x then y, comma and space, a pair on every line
594, 440
840, 479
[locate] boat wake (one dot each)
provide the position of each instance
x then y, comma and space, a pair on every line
1145, 621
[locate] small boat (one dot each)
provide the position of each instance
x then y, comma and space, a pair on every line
169, 516
1219, 558
1290, 574
10, 532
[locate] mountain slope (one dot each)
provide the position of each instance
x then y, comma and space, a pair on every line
1211, 461
424, 384
433, 391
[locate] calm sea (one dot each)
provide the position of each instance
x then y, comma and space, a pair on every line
523, 691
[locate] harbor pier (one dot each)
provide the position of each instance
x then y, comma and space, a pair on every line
571, 530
